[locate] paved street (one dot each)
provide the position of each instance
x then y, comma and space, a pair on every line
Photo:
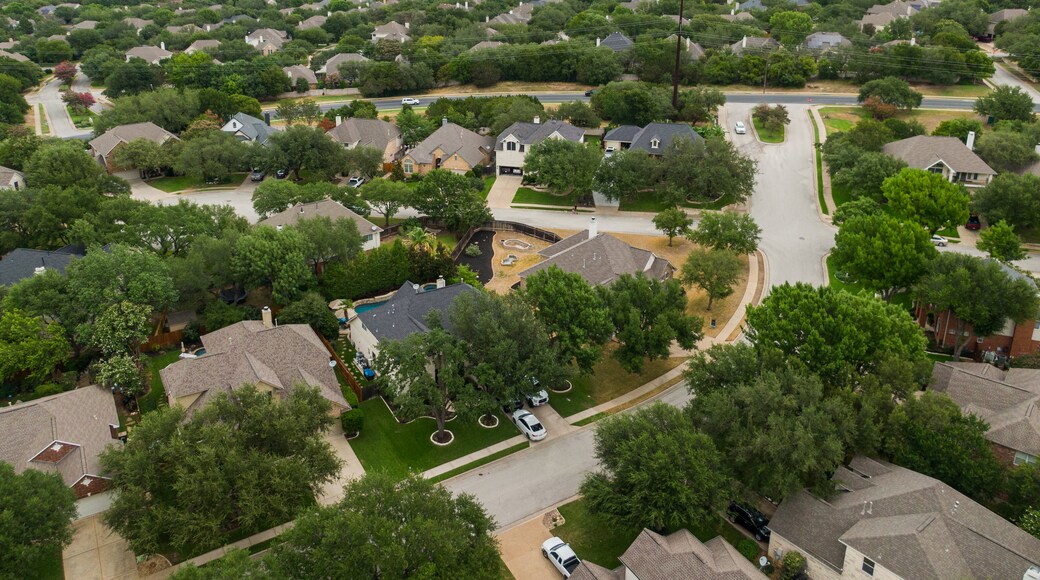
1003, 77
58, 119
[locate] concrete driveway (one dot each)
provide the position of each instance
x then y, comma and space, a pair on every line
521, 549
96, 552
503, 190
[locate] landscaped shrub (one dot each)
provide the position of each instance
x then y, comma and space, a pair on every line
382, 270
473, 250
352, 421
792, 566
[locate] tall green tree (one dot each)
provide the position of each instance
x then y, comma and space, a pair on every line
363, 161
311, 309
562, 166
325, 240
37, 520
268, 256
883, 253
213, 155
978, 292
1006, 103
1001, 242
727, 230
625, 174
30, 346
575, 315
866, 175
64, 164
648, 315
714, 271
658, 471
120, 328
927, 198
451, 199
705, 170
386, 197
1011, 198
148, 157
298, 148
891, 91
1007, 151
246, 462
673, 222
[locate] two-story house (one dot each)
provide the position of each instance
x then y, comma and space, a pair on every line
512, 145
248, 128
370, 233
947, 156
392, 30
677, 556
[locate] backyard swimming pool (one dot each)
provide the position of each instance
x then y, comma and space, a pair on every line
367, 307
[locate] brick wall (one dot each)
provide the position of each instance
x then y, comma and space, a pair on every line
1004, 455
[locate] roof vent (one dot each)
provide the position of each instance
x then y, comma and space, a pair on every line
56, 447
86, 481
39, 270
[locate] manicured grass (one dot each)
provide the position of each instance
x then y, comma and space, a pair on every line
156, 397
183, 182
844, 118
819, 165
388, 446
50, 569
767, 135
488, 182
531, 196
646, 201
45, 127
593, 141
938, 356
607, 381
591, 419
475, 464
81, 120
840, 194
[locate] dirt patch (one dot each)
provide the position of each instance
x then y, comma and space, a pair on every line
506, 276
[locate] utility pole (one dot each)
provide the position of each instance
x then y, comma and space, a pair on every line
678, 49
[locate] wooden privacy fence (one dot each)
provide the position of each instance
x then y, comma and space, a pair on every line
162, 340
354, 386
504, 226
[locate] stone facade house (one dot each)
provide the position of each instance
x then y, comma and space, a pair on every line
654, 138
391, 31
449, 147
103, 147
11, 178
375, 133
267, 40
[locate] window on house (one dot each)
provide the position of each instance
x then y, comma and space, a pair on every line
510, 146
655, 143
368, 238
937, 168
521, 147
868, 566
407, 165
1023, 458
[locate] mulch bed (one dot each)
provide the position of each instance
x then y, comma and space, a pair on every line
481, 264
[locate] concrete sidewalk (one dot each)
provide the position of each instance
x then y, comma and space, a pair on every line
475, 456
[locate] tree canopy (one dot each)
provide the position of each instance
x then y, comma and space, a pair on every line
882, 252
37, 519
927, 198
727, 230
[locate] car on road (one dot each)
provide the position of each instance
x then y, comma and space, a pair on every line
561, 555
409, 101
590, 92
281, 173
939, 241
739, 128
257, 175
356, 182
529, 425
974, 223
751, 520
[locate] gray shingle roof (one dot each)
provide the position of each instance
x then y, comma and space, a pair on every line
755, 44
825, 40
152, 54
9, 176
21, 263
532, 133
365, 132
911, 524
677, 556
324, 208
897, 8
201, 45
254, 129
297, 71
453, 139
924, 151
333, 64
405, 312
623, 133
663, 134
247, 353
600, 260
617, 42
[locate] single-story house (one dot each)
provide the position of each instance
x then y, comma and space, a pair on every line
248, 128
677, 556
897, 8
375, 133
947, 156
485, 44
11, 178
1003, 16
519, 15
735, 16
402, 315
449, 147
85, 25
62, 434
276, 359
759, 5
391, 31
298, 71
1005, 399
14, 56
878, 21
104, 146
655, 138
138, 23
890, 522
824, 41
515, 141
616, 41
332, 65
600, 258
332, 210
315, 21
757, 44
201, 45
149, 54
22, 263
695, 50
267, 40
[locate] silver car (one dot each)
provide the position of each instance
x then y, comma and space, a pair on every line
739, 128
529, 425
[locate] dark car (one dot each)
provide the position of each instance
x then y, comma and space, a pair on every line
974, 223
590, 92
281, 173
511, 405
750, 519
257, 175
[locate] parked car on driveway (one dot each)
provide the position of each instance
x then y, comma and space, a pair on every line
511, 405
529, 425
356, 182
561, 555
939, 241
409, 101
974, 223
281, 173
739, 128
751, 520
257, 175
539, 398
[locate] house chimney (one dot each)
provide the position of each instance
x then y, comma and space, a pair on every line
537, 119
444, 121
289, 73
733, 11
268, 319
487, 19
466, 4
687, 44
407, 25
913, 41
339, 120
440, 281
597, 41
301, 209
971, 140
743, 43
593, 228
267, 118
162, 45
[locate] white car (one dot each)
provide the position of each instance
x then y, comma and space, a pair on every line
939, 241
409, 101
529, 425
355, 182
537, 399
608, 151
561, 555
739, 128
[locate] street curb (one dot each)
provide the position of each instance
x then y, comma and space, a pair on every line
536, 515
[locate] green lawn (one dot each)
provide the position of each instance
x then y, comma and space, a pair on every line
488, 182
183, 182
156, 397
840, 194
835, 279
601, 540
593, 140
647, 201
768, 135
531, 196
386, 445
81, 120
607, 381
49, 569
819, 165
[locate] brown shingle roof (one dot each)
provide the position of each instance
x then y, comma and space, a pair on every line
600, 260
365, 132
453, 139
677, 556
248, 353
924, 151
109, 140
324, 208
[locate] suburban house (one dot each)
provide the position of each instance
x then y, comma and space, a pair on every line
1003, 16
754, 44
824, 41
735, 16
695, 50
1005, 399
484, 44
947, 156
897, 8
878, 21
11, 178
449, 147
332, 210
298, 71
248, 128
759, 5
654, 138
149, 54
337, 60
616, 41
84, 25
402, 315
375, 133
62, 434
201, 45
1014, 339
22, 263
313, 22
103, 147
519, 15
679, 555
890, 522
512, 145
138, 23
16, 56
276, 359
267, 40
391, 31
600, 258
